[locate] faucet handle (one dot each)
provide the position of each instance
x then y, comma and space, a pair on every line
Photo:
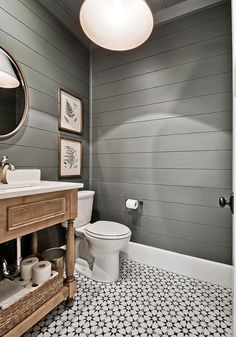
5, 166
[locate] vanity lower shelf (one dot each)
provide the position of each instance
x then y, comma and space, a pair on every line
43, 310
29, 211
32, 300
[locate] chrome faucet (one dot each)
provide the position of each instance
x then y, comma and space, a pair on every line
5, 166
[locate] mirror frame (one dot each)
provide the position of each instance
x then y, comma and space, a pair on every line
26, 94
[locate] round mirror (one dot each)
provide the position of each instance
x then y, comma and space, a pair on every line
13, 95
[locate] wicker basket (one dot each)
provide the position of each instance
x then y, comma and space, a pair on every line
18, 311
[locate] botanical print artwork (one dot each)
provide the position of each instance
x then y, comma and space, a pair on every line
70, 113
70, 158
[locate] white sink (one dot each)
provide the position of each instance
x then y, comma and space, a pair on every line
23, 177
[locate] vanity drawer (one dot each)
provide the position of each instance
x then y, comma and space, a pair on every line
29, 214
23, 215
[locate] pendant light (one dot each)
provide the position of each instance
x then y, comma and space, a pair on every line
8, 77
116, 24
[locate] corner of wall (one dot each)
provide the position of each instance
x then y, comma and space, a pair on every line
90, 116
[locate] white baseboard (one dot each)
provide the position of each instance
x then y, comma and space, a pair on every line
204, 270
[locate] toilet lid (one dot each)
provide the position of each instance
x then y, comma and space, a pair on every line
107, 229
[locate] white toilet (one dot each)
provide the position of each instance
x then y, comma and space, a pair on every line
104, 241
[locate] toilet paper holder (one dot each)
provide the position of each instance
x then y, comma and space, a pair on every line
140, 202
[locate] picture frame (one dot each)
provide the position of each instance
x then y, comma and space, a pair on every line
70, 158
70, 112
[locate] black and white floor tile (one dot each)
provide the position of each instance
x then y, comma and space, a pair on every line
145, 302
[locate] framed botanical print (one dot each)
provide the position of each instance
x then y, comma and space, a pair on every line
70, 112
70, 158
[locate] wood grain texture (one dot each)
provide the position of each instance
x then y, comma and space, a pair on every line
162, 120
70, 252
28, 214
34, 243
24, 215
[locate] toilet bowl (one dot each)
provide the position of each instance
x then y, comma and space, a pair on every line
105, 240
98, 244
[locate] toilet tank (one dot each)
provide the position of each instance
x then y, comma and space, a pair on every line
85, 207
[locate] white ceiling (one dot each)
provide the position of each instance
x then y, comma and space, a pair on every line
67, 11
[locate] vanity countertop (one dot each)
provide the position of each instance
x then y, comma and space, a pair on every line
11, 191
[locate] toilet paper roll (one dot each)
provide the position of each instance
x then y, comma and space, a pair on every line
132, 204
26, 268
41, 272
30, 285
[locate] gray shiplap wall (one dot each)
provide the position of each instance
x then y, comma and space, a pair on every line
162, 134
50, 58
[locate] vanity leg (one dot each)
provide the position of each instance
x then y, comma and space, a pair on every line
34, 243
70, 261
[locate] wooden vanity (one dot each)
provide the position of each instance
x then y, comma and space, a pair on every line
27, 210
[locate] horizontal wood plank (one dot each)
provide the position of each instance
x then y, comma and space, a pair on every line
182, 177
219, 121
186, 107
216, 140
170, 58
201, 32
162, 120
170, 92
220, 160
191, 70
190, 195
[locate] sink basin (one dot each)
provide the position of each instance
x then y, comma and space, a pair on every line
23, 177
18, 179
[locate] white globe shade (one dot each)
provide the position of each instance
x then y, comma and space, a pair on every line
116, 24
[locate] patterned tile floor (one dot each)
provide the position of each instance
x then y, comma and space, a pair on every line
145, 302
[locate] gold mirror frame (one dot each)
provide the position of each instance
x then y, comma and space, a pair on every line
26, 94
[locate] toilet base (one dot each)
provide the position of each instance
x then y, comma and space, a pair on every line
105, 268
82, 267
